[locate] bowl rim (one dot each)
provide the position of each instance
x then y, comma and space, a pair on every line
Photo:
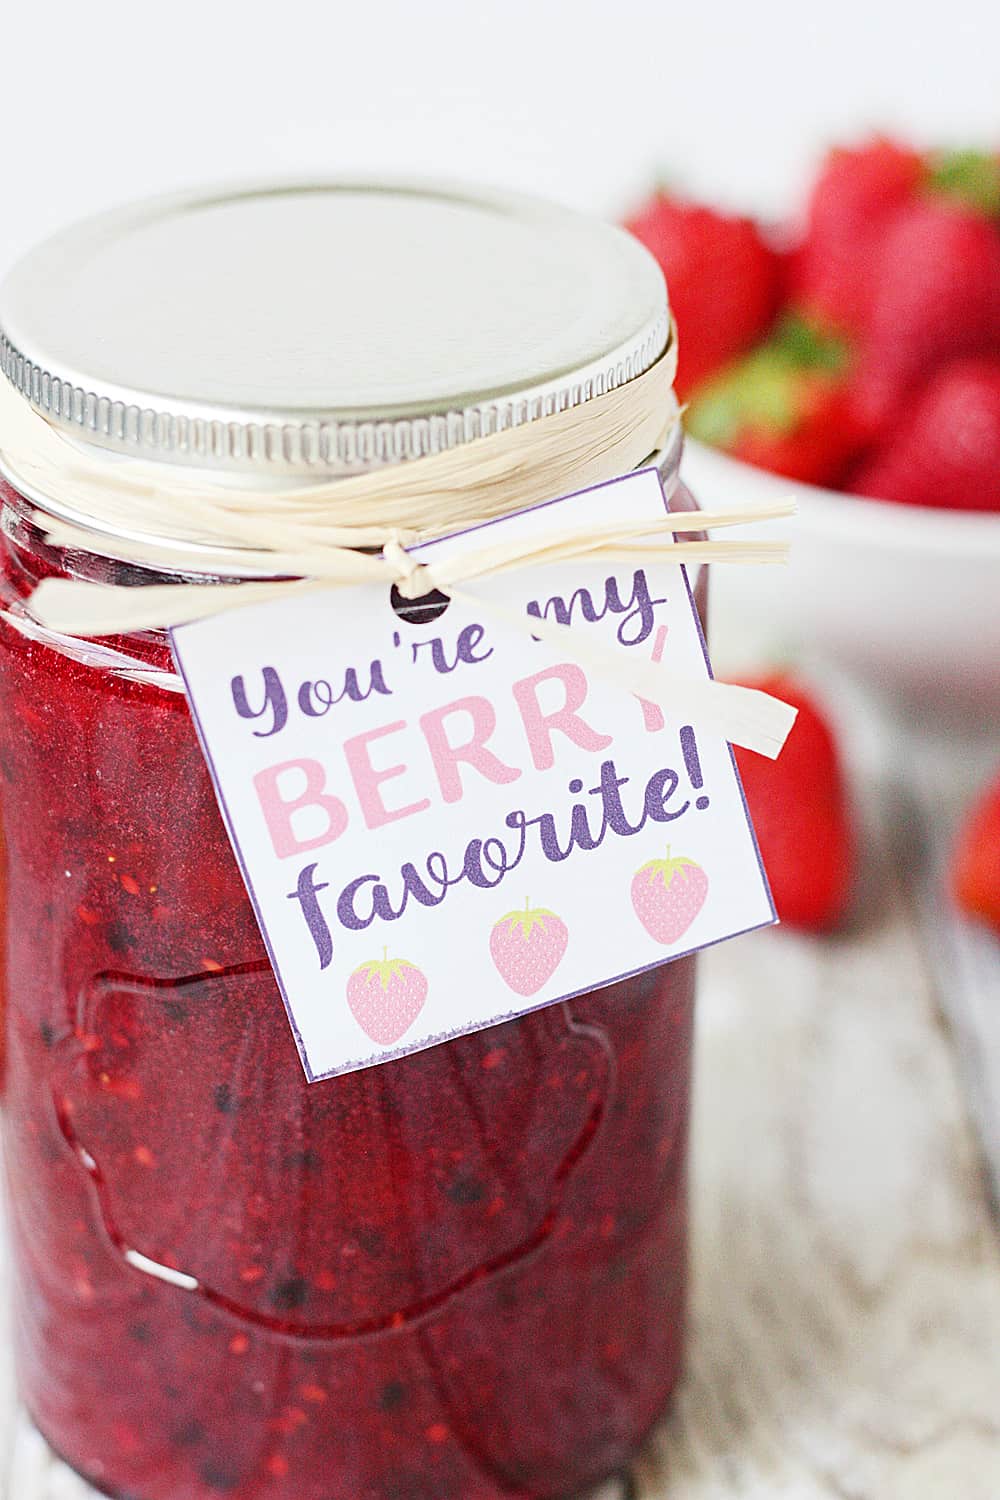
886, 523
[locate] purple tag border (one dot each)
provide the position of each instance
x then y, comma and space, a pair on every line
394, 1054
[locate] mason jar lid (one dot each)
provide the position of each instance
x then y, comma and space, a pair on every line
324, 327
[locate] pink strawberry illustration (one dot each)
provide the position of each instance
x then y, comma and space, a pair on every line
386, 996
527, 947
667, 895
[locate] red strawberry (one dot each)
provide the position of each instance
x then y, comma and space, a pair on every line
857, 192
799, 810
667, 895
386, 996
527, 947
785, 407
975, 866
945, 450
936, 297
724, 281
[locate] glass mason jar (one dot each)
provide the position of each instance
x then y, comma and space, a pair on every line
459, 1275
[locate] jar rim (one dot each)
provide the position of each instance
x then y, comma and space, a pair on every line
325, 327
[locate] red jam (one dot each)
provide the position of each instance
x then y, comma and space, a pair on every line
458, 1276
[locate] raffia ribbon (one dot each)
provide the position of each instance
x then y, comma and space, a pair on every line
305, 537
250, 526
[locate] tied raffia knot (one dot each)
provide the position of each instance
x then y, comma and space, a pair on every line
413, 578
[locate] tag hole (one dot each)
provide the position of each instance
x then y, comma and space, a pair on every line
419, 611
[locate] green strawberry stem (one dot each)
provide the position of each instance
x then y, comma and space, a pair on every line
971, 178
528, 919
763, 390
807, 345
665, 869
384, 969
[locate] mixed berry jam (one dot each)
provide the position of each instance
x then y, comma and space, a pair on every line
457, 1276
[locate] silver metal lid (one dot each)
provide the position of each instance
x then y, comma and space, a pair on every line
323, 327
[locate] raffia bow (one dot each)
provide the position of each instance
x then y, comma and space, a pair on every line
323, 534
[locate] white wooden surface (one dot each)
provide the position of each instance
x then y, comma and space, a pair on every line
846, 1303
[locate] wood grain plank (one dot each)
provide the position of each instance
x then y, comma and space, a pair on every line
964, 957
846, 1305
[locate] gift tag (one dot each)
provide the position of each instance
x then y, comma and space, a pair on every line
444, 821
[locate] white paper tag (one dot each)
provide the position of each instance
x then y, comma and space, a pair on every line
444, 824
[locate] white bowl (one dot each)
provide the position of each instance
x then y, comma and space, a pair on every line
904, 598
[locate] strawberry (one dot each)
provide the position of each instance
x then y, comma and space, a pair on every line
945, 450
724, 281
858, 191
936, 297
784, 407
386, 996
527, 947
667, 895
799, 810
975, 864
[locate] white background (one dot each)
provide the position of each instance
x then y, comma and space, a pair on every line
580, 100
